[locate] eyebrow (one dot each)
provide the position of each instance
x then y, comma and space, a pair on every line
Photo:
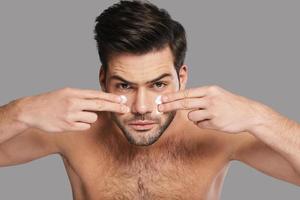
117, 77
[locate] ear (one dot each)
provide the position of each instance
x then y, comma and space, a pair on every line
102, 79
183, 76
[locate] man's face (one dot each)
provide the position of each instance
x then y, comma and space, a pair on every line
141, 78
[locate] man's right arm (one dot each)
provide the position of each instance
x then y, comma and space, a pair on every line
29, 126
9, 123
31, 144
20, 143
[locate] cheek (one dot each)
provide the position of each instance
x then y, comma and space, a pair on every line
160, 118
123, 116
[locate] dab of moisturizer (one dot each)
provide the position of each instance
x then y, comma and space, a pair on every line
123, 99
157, 102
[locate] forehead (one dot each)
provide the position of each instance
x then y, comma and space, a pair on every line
140, 68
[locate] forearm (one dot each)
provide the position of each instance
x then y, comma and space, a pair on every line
10, 126
281, 134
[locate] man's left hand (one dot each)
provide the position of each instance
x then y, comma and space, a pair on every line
213, 107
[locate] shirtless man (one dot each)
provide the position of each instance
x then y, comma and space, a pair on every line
134, 146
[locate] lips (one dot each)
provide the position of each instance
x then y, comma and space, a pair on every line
142, 125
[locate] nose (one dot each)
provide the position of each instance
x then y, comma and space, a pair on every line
142, 103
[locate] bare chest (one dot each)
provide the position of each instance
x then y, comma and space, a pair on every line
147, 177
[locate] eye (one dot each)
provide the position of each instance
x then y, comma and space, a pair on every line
123, 86
160, 84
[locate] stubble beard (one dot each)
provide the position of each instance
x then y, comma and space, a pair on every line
143, 138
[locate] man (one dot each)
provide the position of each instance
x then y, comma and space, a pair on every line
119, 143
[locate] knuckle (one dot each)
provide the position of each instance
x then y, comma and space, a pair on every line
210, 102
214, 115
68, 119
170, 106
67, 90
100, 104
70, 103
185, 104
214, 89
205, 102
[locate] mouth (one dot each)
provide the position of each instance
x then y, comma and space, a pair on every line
142, 125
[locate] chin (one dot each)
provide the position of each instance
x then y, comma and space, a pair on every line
144, 137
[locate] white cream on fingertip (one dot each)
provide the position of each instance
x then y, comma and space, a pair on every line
123, 99
157, 102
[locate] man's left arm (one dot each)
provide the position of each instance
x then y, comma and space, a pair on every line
257, 154
281, 134
275, 147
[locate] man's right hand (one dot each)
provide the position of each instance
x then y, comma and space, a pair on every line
67, 109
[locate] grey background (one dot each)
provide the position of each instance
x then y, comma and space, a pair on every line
248, 47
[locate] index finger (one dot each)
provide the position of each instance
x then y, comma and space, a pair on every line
93, 94
188, 93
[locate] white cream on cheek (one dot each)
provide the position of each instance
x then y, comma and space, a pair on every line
123, 99
157, 102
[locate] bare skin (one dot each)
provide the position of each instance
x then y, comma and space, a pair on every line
188, 161
181, 165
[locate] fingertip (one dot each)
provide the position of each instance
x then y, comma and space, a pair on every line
86, 127
160, 108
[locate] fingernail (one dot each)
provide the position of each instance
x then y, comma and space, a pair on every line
160, 108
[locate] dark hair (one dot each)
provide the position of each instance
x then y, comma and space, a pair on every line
138, 27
